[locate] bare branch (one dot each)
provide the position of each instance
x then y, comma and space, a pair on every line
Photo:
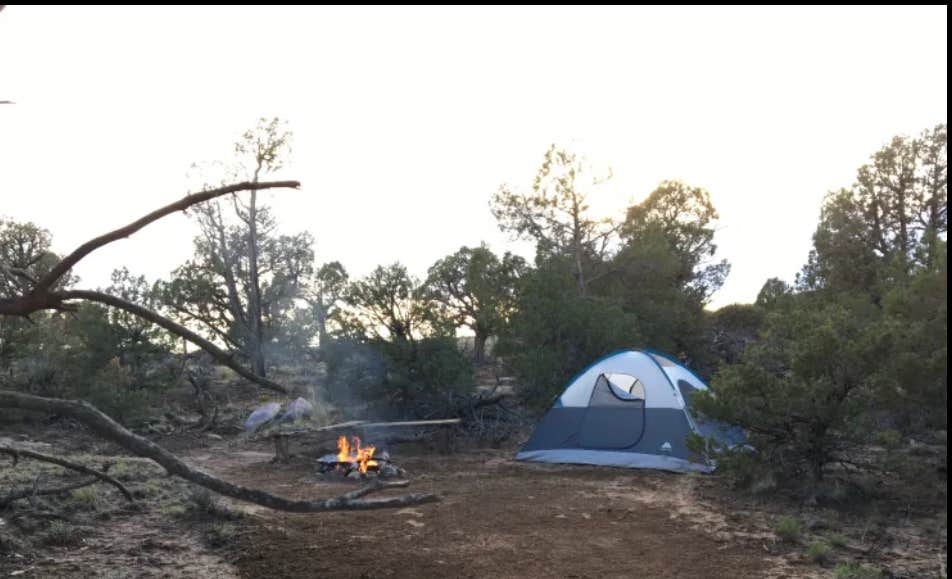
50, 279
19, 272
18, 452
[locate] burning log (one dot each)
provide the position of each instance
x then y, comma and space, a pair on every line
354, 461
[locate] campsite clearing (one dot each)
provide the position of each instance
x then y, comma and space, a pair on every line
498, 518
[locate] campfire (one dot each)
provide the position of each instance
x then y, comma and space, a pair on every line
355, 461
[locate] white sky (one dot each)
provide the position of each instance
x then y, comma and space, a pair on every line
406, 120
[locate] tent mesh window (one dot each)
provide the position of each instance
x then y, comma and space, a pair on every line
615, 417
623, 386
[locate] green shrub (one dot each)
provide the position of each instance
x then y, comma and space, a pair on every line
86, 499
60, 534
554, 333
220, 534
176, 510
793, 390
819, 552
856, 571
838, 540
420, 376
789, 529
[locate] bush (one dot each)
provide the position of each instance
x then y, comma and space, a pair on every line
220, 534
801, 391
412, 377
788, 529
60, 534
819, 552
838, 540
85, 499
354, 371
856, 571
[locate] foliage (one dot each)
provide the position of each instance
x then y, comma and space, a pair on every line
820, 552
324, 293
102, 355
387, 304
557, 216
646, 282
684, 217
789, 529
555, 332
60, 534
420, 377
426, 377
856, 351
872, 235
802, 391
474, 288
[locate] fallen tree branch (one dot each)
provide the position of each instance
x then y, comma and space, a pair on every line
106, 427
18, 452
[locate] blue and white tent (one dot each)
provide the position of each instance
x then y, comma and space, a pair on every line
630, 408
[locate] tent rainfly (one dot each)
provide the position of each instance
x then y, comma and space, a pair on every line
631, 409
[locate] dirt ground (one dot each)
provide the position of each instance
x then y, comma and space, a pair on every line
497, 518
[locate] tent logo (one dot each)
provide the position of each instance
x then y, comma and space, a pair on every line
666, 447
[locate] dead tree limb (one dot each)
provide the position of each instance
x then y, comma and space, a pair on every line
67, 263
106, 427
43, 294
18, 452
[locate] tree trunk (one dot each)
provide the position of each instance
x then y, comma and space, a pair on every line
479, 346
577, 242
254, 299
321, 315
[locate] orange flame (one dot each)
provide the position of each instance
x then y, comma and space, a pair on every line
353, 452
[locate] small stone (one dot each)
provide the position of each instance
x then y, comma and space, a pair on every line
355, 474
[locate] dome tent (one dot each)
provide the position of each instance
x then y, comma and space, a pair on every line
630, 408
